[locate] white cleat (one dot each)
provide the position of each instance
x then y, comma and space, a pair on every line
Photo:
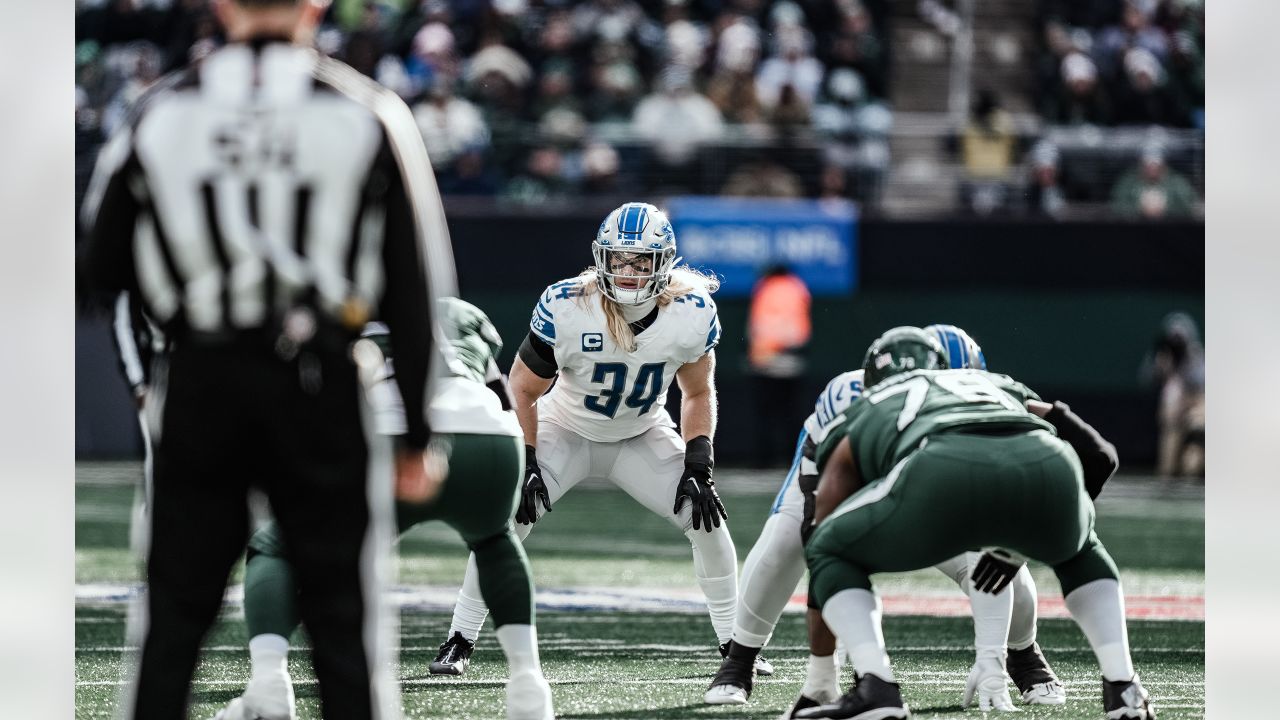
266, 697
989, 683
726, 695
529, 697
1046, 693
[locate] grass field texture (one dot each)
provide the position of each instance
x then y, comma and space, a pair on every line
606, 663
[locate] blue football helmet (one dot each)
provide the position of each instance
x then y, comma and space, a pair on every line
634, 233
962, 350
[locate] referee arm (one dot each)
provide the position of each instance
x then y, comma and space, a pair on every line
407, 308
109, 215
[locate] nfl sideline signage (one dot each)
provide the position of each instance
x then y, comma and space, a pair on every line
737, 238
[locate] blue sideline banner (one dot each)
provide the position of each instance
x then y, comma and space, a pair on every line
738, 238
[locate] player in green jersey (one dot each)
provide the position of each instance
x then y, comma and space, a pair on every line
929, 463
480, 439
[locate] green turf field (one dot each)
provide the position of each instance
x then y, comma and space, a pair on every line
657, 664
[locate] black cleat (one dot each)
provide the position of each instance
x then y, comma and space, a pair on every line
454, 657
1036, 682
870, 698
1126, 699
764, 668
733, 682
804, 702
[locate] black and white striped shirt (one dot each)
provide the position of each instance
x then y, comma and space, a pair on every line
268, 178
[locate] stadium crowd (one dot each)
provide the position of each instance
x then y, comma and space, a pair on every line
534, 100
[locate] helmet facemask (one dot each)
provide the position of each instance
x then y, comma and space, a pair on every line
632, 276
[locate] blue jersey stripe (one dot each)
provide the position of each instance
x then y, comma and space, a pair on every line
792, 473
713, 335
545, 312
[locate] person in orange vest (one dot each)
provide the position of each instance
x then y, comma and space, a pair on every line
778, 330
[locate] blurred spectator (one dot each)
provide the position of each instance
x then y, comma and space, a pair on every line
367, 43
986, 147
1045, 196
791, 66
763, 177
555, 88
732, 86
432, 55
500, 60
1080, 99
554, 38
1153, 190
1134, 31
854, 131
1143, 97
448, 123
853, 44
600, 165
469, 174
677, 120
616, 88
497, 80
615, 20
1186, 75
778, 330
1176, 366
834, 183
542, 179
685, 45
988, 141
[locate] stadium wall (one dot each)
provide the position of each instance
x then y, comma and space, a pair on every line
1071, 309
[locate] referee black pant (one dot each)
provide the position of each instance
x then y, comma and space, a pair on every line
236, 416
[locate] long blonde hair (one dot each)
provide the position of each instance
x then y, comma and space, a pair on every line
684, 280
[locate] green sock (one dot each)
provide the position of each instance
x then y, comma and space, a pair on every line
270, 598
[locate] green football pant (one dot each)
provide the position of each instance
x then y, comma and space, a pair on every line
962, 492
478, 500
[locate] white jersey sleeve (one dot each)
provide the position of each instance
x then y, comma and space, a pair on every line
833, 400
603, 392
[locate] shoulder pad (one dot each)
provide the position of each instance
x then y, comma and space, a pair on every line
700, 310
557, 298
839, 393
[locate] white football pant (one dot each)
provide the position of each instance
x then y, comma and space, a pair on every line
647, 467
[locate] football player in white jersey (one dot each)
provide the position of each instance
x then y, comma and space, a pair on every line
612, 339
776, 563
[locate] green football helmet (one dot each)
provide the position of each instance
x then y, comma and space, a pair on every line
900, 350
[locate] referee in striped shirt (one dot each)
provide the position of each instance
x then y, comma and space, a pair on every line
262, 206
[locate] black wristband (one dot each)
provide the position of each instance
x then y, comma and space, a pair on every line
698, 452
530, 454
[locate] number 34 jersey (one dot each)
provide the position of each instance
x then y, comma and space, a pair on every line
890, 419
603, 392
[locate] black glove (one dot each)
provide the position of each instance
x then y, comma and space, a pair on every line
995, 570
696, 486
809, 487
808, 482
534, 490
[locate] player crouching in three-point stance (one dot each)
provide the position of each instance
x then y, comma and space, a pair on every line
956, 460
613, 338
776, 563
480, 438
